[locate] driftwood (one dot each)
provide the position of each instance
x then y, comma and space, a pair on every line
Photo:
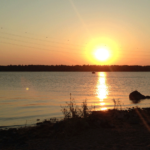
136, 97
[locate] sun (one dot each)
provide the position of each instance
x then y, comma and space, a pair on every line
102, 51
102, 54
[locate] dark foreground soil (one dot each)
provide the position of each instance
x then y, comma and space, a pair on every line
115, 130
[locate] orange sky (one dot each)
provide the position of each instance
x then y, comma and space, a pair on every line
68, 32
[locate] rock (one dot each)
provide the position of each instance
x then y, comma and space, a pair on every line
148, 97
136, 97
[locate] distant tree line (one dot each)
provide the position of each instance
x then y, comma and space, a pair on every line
74, 68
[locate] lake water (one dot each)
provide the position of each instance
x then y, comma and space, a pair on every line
28, 96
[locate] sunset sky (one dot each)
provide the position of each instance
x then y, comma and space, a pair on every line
69, 32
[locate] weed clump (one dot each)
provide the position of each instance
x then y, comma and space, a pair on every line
71, 110
117, 105
76, 118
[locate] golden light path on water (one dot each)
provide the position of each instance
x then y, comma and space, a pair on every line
102, 90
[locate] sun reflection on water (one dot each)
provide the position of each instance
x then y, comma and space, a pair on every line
102, 89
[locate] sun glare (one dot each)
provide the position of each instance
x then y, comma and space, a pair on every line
102, 51
102, 54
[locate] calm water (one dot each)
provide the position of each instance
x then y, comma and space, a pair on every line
28, 96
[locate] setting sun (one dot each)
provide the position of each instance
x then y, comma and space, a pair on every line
102, 51
102, 54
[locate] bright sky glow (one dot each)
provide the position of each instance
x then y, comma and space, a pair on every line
68, 32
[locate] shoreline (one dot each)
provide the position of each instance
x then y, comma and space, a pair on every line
132, 124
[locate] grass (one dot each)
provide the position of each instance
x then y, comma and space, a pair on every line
117, 104
71, 110
79, 118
